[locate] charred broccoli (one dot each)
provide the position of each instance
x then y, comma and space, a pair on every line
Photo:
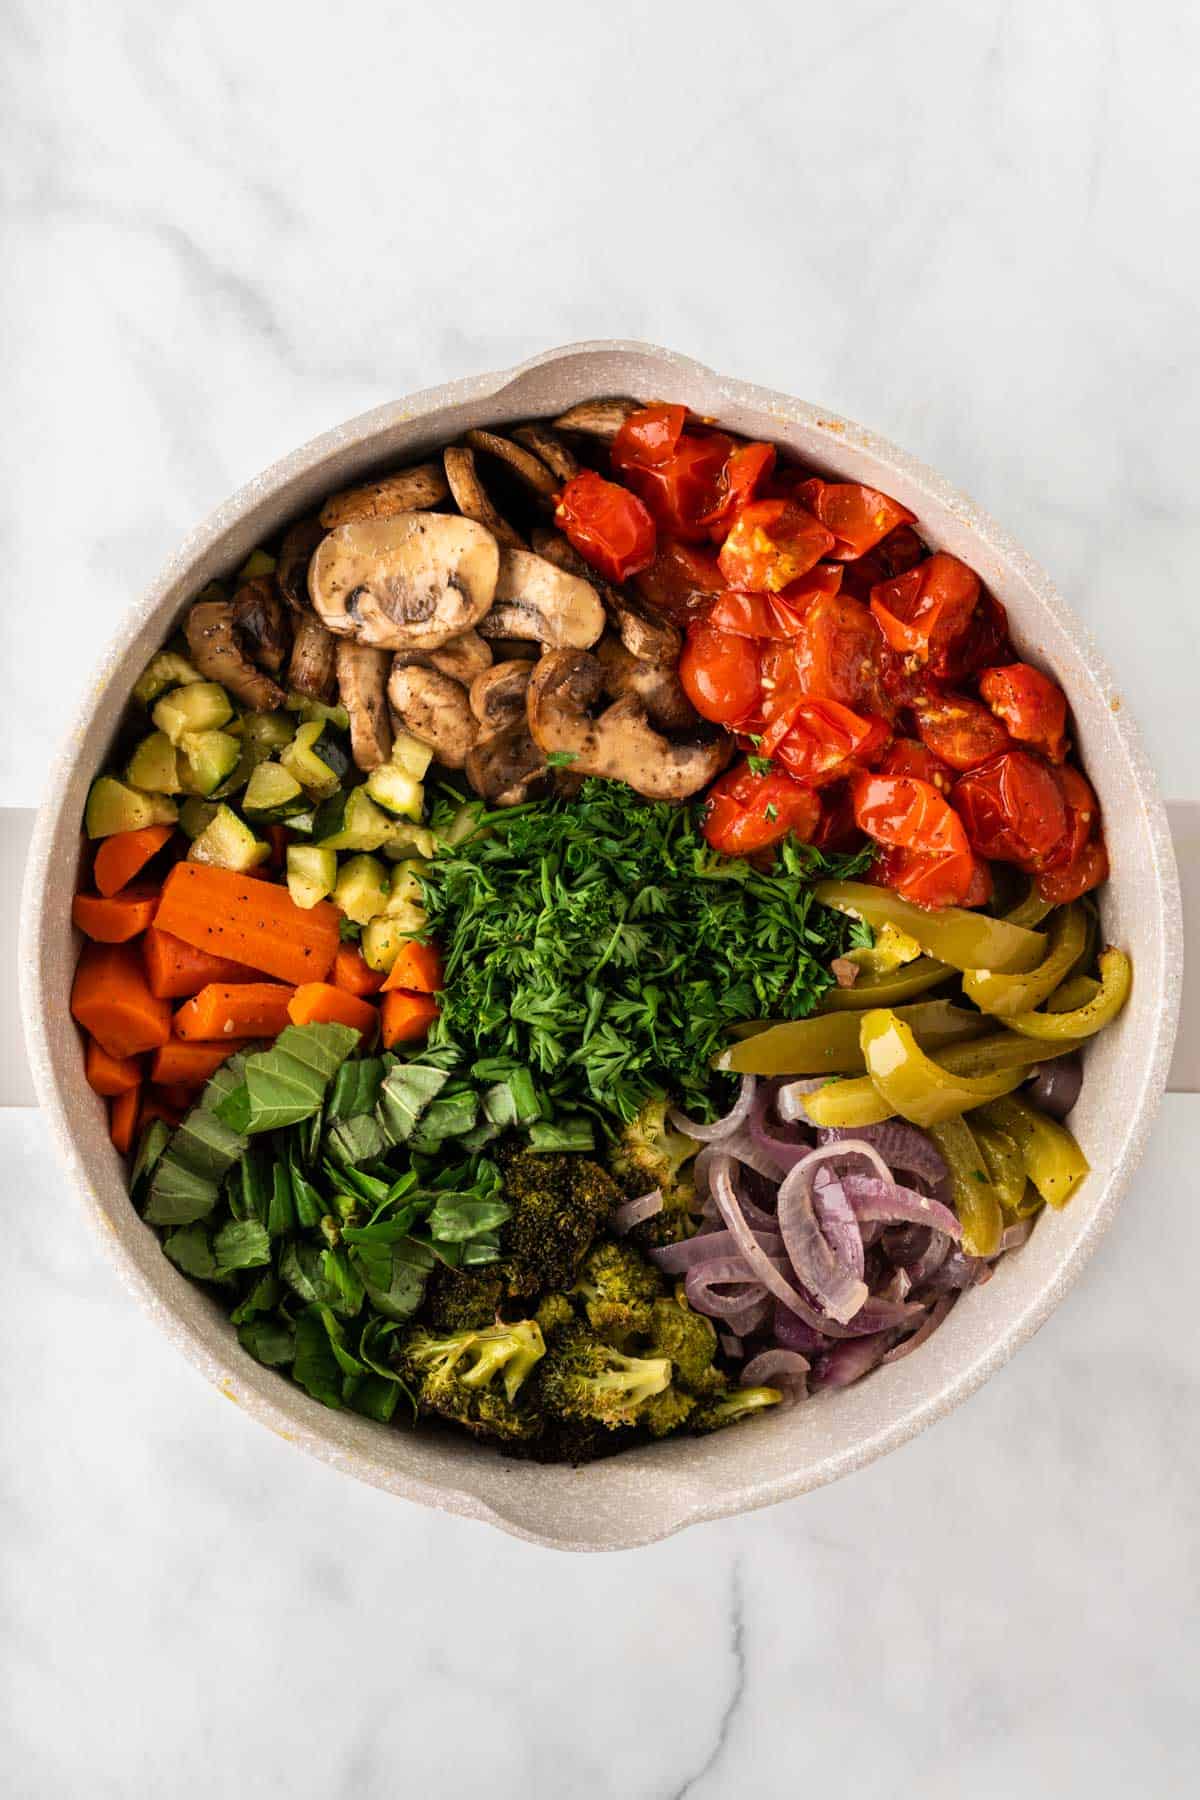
462, 1299
730, 1407
650, 1153
475, 1377
618, 1289
690, 1340
581, 1378
558, 1202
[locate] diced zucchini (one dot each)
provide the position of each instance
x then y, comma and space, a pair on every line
352, 821
257, 563
153, 765
411, 756
302, 823
397, 792
317, 758
166, 670
361, 890
272, 795
112, 806
271, 731
311, 873
207, 758
228, 842
463, 824
383, 938
405, 840
195, 815
406, 889
312, 711
201, 706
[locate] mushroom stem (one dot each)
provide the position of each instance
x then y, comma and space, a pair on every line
362, 675
215, 650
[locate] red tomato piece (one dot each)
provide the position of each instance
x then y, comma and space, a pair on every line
1033, 707
1013, 810
858, 516
927, 857
837, 654
819, 741
958, 879
772, 544
649, 437
719, 674
685, 489
748, 811
607, 524
746, 469
1084, 872
907, 757
958, 730
837, 830
779, 615
927, 609
985, 641
900, 551
682, 581
1083, 813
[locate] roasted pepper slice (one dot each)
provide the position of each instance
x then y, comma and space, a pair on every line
1116, 977
831, 1045
1005, 1166
1053, 1160
1007, 994
887, 990
1030, 911
975, 1199
1002, 1059
855, 1102
965, 940
1076, 992
913, 1084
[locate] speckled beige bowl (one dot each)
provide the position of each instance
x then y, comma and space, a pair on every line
648, 1493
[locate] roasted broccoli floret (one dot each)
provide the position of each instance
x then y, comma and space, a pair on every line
558, 1204
669, 1411
618, 1288
462, 1299
650, 1153
730, 1407
553, 1311
690, 1340
475, 1377
581, 1378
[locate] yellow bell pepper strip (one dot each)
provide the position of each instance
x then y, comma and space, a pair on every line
1001, 1051
965, 940
975, 1199
1002, 1059
1005, 1166
830, 1045
890, 989
1006, 994
1053, 1160
890, 951
1076, 992
1116, 978
854, 1102
915, 1086
1030, 911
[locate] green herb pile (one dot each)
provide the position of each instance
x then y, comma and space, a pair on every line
601, 943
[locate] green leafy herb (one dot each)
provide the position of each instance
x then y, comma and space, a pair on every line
759, 765
241, 1244
287, 1083
405, 1094
561, 759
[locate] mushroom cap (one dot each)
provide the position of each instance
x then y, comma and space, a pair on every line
498, 694
408, 490
215, 650
462, 658
261, 622
536, 600
291, 567
657, 686
502, 766
546, 444
411, 582
644, 632
435, 709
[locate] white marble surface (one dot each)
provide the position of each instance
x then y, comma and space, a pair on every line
226, 228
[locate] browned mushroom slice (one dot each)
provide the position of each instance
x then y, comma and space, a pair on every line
644, 632
598, 418
408, 583
503, 766
498, 695
408, 490
545, 443
216, 651
529, 469
434, 709
362, 675
312, 669
295, 554
463, 658
535, 600
560, 551
619, 744
471, 498
656, 685
261, 622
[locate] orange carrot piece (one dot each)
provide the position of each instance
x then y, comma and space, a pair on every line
249, 1010
116, 920
125, 854
122, 1118
418, 969
189, 1064
407, 1016
320, 1003
110, 1075
177, 970
350, 972
255, 922
110, 998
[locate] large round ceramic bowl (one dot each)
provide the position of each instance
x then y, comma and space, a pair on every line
647, 1493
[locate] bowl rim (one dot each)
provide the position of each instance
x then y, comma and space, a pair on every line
281, 1418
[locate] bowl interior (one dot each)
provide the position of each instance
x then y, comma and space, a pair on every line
644, 1494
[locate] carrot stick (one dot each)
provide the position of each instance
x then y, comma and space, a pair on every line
122, 1118
351, 973
111, 1000
252, 1009
407, 1016
177, 970
189, 1065
418, 968
110, 1075
125, 855
255, 922
319, 1003
116, 920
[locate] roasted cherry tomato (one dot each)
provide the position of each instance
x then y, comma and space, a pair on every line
907, 757
749, 810
859, 517
649, 437
1082, 862
720, 675
837, 830
819, 741
927, 857
779, 615
923, 612
836, 655
682, 581
958, 730
677, 473
740, 480
607, 524
1033, 707
985, 641
957, 879
772, 544
1013, 810
1083, 813
900, 551
1084, 872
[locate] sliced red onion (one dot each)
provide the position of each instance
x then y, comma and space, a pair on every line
720, 1128
877, 1314
783, 1369
873, 1199
916, 1249
847, 1363
632, 1212
727, 1272
1013, 1236
837, 1289
677, 1259
896, 1287
835, 1215
757, 1312
789, 1099
793, 1333
761, 1267
926, 1329
957, 1272
1055, 1085
731, 1345
901, 1147
741, 1148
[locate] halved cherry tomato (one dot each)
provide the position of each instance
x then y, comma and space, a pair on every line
927, 858
984, 642
958, 879
1013, 810
1033, 707
907, 757
739, 481
682, 490
899, 551
649, 437
748, 811
926, 610
607, 524
682, 581
859, 517
1084, 872
719, 674
819, 741
958, 730
779, 615
836, 655
772, 544
837, 830
1083, 813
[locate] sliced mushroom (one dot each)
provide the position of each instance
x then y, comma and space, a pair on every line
217, 652
528, 468
643, 631
545, 443
313, 666
471, 498
515, 650
408, 490
463, 658
498, 695
620, 744
656, 685
536, 600
598, 418
261, 622
362, 675
503, 766
408, 583
435, 709
295, 554
560, 551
